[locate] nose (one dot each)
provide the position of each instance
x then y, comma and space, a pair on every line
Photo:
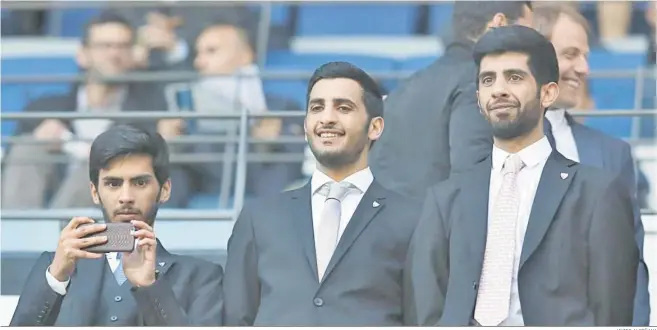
328, 116
582, 66
500, 91
127, 195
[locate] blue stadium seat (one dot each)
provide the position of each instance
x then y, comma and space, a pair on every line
416, 63
613, 92
69, 22
15, 96
296, 88
357, 19
206, 201
440, 17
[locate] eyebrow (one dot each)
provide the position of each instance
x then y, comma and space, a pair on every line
506, 73
135, 178
335, 100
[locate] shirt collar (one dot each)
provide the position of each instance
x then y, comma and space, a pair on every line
531, 155
361, 179
557, 119
116, 102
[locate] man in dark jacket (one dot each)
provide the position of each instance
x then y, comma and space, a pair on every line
106, 51
433, 125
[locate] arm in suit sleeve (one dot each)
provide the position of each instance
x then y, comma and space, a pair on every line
38, 304
642, 298
241, 284
613, 257
159, 306
470, 135
427, 268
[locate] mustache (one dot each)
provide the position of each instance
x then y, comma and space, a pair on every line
502, 103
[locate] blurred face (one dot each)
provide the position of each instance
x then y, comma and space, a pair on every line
108, 51
572, 46
526, 19
509, 97
128, 190
337, 126
220, 50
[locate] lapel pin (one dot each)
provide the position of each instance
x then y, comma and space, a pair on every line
161, 264
564, 176
375, 204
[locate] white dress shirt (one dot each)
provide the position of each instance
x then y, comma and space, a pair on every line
61, 287
563, 134
361, 179
534, 156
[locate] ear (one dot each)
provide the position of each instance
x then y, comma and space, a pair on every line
165, 192
549, 94
82, 58
498, 20
481, 109
94, 193
305, 131
375, 129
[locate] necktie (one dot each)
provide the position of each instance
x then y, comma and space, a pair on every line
329, 224
494, 293
118, 272
547, 128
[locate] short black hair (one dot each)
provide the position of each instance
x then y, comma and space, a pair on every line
469, 18
542, 60
105, 17
372, 97
124, 140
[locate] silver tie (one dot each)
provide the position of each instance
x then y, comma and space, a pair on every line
329, 224
494, 295
118, 272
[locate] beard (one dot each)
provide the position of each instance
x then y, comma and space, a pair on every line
526, 120
334, 159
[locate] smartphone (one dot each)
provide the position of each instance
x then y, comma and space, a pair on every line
119, 238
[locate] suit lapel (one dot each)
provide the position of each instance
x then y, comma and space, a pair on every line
587, 149
552, 187
164, 259
474, 203
302, 221
83, 293
373, 202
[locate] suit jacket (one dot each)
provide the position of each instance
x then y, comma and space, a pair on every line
271, 270
433, 126
140, 97
615, 155
187, 292
578, 261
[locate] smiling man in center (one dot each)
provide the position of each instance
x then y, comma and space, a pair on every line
332, 252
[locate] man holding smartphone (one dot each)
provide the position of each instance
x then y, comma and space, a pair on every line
129, 174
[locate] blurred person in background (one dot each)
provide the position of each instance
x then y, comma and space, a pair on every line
568, 31
106, 52
433, 125
128, 177
226, 61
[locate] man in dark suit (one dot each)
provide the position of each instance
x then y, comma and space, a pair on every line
129, 175
527, 236
105, 51
331, 252
433, 126
568, 31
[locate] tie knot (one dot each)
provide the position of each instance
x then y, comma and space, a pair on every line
336, 190
513, 164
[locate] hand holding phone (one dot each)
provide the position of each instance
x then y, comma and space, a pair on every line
72, 242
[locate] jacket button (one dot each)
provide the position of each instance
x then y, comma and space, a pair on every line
113, 318
118, 298
319, 302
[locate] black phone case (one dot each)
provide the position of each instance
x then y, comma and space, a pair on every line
119, 239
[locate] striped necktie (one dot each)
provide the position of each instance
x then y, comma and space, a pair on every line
118, 272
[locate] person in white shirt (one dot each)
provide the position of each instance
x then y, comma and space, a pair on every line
568, 31
129, 179
527, 237
330, 253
